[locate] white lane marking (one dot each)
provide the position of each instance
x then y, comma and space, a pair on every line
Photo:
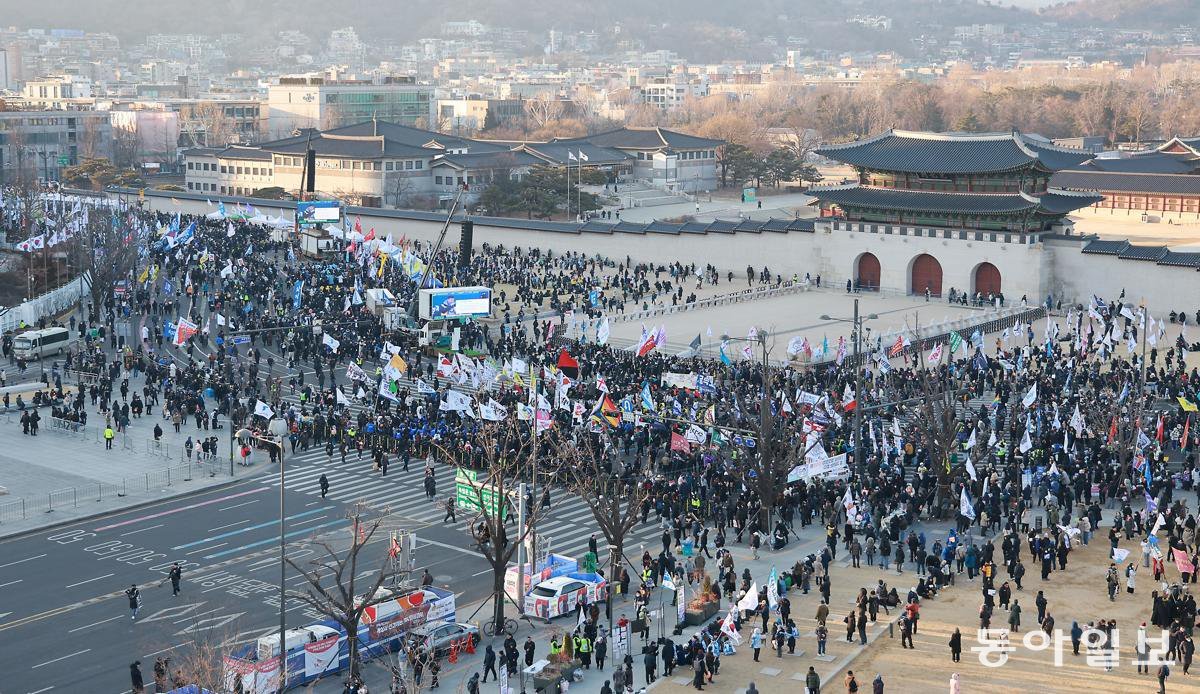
453, 547
11, 582
21, 561
90, 580
88, 626
222, 527
169, 648
71, 655
245, 503
141, 530
43, 690
204, 549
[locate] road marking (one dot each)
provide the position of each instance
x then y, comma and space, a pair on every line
43, 690
485, 571
90, 580
11, 582
181, 509
169, 648
243, 530
204, 549
21, 561
141, 530
310, 520
453, 547
245, 503
273, 539
222, 527
193, 616
88, 626
72, 655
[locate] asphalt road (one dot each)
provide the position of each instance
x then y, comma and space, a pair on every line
65, 622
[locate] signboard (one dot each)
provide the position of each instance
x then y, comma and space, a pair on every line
749, 194
241, 339
456, 302
64, 160
468, 491
316, 212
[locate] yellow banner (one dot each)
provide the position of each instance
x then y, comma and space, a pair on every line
1187, 405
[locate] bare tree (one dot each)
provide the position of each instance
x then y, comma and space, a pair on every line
207, 125
936, 418
543, 110
333, 585
509, 453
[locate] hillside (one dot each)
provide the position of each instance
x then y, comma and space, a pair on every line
1131, 14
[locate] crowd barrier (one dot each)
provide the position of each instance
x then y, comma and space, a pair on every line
748, 294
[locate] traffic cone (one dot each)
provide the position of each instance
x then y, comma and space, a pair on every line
470, 645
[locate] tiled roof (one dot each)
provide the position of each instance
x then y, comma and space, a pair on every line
1180, 184
1159, 255
646, 138
1105, 247
1133, 252
953, 153
1181, 259
487, 160
1148, 163
854, 195
557, 152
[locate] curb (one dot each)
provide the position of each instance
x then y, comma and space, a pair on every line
21, 534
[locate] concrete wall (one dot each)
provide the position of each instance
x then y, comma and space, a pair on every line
1054, 264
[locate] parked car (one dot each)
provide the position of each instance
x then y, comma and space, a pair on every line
439, 637
560, 595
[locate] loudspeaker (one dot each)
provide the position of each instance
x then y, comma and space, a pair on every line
310, 171
464, 243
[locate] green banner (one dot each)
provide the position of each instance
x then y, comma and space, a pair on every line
469, 491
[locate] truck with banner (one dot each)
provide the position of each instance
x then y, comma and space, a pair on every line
321, 649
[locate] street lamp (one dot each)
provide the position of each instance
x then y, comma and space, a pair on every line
857, 321
246, 433
764, 406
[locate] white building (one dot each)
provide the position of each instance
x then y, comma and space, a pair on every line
314, 102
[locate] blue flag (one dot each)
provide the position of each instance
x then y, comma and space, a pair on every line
647, 398
168, 332
725, 357
296, 288
166, 286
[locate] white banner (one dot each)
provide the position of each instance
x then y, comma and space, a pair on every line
321, 656
831, 466
503, 676
687, 380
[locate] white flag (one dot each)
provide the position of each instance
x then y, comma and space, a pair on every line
220, 319
341, 398
329, 341
964, 505
992, 439
262, 409
602, 331
749, 601
1030, 397
971, 443
971, 471
1026, 443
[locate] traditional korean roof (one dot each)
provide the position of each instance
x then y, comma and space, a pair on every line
954, 153
1052, 202
1177, 184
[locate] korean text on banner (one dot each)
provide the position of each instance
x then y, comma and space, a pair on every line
321, 656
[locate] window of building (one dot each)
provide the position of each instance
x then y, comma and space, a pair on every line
222, 190
390, 166
237, 170
437, 180
376, 166
420, 164
357, 166
224, 169
191, 165
408, 165
191, 186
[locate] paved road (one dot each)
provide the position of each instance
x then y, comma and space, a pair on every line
82, 638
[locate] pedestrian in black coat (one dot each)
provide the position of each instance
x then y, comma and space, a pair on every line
135, 677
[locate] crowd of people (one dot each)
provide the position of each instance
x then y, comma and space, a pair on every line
229, 326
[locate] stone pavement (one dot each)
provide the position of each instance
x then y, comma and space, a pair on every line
66, 474
770, 674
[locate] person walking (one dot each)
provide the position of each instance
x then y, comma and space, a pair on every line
449, 511
1014, 617
324, 482
109, 434
135, 600
851, 682
489, 663
176, 575
136, 681
956, 645
812, 681
1163, 673
954, 684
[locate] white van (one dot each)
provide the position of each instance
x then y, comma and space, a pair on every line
36, 344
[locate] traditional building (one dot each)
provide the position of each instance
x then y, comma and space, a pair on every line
1160, 185
992, 188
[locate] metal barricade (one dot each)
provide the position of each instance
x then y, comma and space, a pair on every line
14, 510
62, 498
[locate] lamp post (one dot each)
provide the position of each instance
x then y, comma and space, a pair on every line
246, 433
764, 412
857, 321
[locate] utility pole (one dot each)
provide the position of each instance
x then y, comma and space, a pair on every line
860, 457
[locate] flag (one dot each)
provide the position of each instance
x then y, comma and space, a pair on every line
606, 412
329, 341
1030, 397
695, 344
971, 469
1077, 421
955, 342
971, 442
749, 601
582, 156
679, 443
571, 156
1183, 438
848, 399
296, 289
935, 355
1183, 562
728, 627
602, 331
725, 357
897, 346
647, 343
696, 434
264, 410
1026, 442
341, 397
964, 505
773, 588
184, 330
1187, 405
648, 398
568, 364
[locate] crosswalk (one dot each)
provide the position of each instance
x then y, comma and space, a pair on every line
567, 526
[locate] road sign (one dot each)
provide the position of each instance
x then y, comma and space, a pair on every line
469, 491
63, 160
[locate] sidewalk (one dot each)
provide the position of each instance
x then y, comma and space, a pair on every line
62, 475
771, 674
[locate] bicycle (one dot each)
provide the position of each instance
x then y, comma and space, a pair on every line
508, 627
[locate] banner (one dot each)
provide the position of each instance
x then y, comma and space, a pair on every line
266, 677
503, 679
1183, 562
321, 656
687, 380
235, 669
